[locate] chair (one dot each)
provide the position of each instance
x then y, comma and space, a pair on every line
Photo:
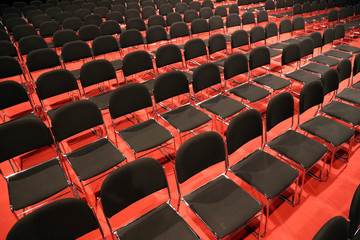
93, 19
179, 31
30, 43
262, 16
61, 16
64, 36
97, 154
32, 13
165, 9
335, 228
8, 49
239, 38
14, 22
140, 63
156, 20
107, 45
64, 219
4, 36
110, 27
39, 19
216, 23
155, 34
144, 133
233, 8
354, 214
247, 19
195, 49
130, 38
32, 185
73, 23
11, 68
161, 222
101, 11
181, 7
221, 11
88, 33
233, 208
115, 16
205, 12
183, 116
147, 12
233, 21
217, 46
259, 169
173, 17
195, 5
136, 23
198, 26
47, 29
23, 31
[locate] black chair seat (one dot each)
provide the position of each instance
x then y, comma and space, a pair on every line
186, 117
278, 45
266, 173
95, 158
102, 100
149, 84
292, 41
220, 62
338, 54
145, 135
316, 68
250, 92
350, 95
329, 61
223, 106
223, 205
302, 37
343, 111
118, 63
347, 48
272, 81
302, 76
277, 15
161, 223
36, 184
299, 148
193, 69
327, 129
76, 73
274, 52
356, 85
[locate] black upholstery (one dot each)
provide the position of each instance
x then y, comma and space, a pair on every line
335, 228
9, 67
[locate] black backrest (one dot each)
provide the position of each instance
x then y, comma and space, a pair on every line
243, 128
280, 4
198, 153
60, 17
47, 29
234, 65
271, 30
206, 12
131, 13
215, 22
104, 44
73, 23
170, 84
94, 19
136, 23
221, 11
306, 47
21, 136
298, 23
165, 9
280, 108
181, 7
328, 36
199, 25
262, 16
239, 38
194, 48
115, 16
289, 3
354, 214
312, 94
14, 22
317, 39
173, 17
9, 67
129, 98
335, 228
333, 15
55, 82
179, 29
37, 20
339, 31
356, 67
259, 56
68, 218
269, 5
206, 75
74, 118
4, 36
195, 5
156, 20
344, 69
96, 71
7, 49
89, 32
217, 43
285, 26
297, 9
64, 36
330, 80
30, 43
168, 54
291, 53
233, 20
130, 183
131, 37
75, 50
155, 34
11, 94
147, 12
135, 62
42, 59
207, 3
248, 18
257, 34
23, 31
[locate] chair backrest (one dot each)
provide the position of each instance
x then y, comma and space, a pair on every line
129, 98
221, 11
81, 13
173, 17
311, 94
317, 39
217, 43
306, 47
64, 36
147, 12
271, 30
297, 9
289, 3
31, 43
104, 44
94, 19
14, 22
75, 118
131, 37
356, 67
4, 36
61, 16
96, 71
269, 5
75, 50
259, 56
194, 48
328, 36
243, 128
199, 153
155, 34
130, 183
24, 30
179, 29
7, 49
115, 16
68, 218
233, 8
206, 75
101, 11
215, 22
239, 38
195, 5
335, 228
73, 23
280, 108
110, 27
257, 34
181, 7
206, 12
199, 25
9, 67
156, 20
291, 53
37, 20
21, 136
330, 80
136, 23
168, 54
248, 18
11, 94
135, 62
339, 31
48, 28
89, 32
354, 213
344, 69
333, 15
170, 84
233, 20
285, 26
165, 9
234, 65
41, 59
298, 23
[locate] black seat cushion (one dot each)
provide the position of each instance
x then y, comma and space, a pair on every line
265, 173
36, 184
348, 48
102, 100
329, 130
343, 111
350, 95
274, 52
145, 135
302, 76
316, 68
95, 158
186, 118
272, 81
356, 85
76, 73
338, 54
223, 106
161, 223
118, 63
220, 62
278, 45
223, 205
298, 147
292, 41
250, 92
329, 61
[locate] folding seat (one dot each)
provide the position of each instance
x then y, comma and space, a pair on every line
10, 68
156, 20
146, 12
88, 33
217, 49
131, 38
62, 37
205, 12
39, 19
95, 155
336, 227
221, 11
233, 21
165, 9
37, 179
155, 35
131, 13
144, 134
233, 8
173, 17
136, 23
247, 18
181, 7
244, 128
60, 17
179, 32
195, 5
233, 208
75, 51
195, 53
199, 26
81, 13
73, 23
138, 66
23, 31
94, 19
161, 221
47, 30
110, 27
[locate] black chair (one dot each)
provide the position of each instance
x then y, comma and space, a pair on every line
173, 17
155, 34
233, 21
232, 208
39, 19
161, 222
354, 215
61, 16
335, 228
94, 19
233, 8
30, 43
206, 12
64, 36
216, 23
110, 27
195, 49
101, 11
4, 36
7, 48
165, 9
115, 16
131, 13
262, 16
259, 169
103, 46
148, 12
23, 31
156, 20
181, 7
11, 68
142, 135
88, 33
73, 23
67, 218
217, 46
131, 38
240, 38
247, 18
199, 25
195, 5
179, 31
14, 22
47, 29
136, 23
